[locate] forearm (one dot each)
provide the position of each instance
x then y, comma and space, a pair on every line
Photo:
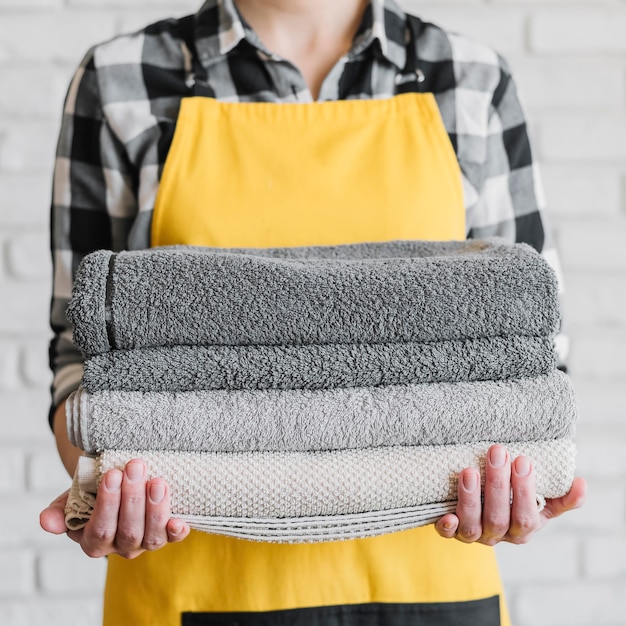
69, 454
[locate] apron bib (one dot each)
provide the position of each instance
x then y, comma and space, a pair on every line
269, 175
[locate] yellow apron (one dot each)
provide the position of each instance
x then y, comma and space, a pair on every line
260, 175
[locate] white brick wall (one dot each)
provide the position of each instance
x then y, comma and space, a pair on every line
570, 63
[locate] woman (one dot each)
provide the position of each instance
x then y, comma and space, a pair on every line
165, 138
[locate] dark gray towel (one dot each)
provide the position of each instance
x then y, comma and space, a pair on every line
399, 291
529, 409
194, 368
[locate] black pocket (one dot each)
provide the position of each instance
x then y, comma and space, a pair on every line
484, 612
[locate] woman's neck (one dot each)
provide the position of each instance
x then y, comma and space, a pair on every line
312, 34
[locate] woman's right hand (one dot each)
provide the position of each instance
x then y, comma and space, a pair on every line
131, 516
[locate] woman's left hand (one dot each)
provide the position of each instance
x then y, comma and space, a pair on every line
498, 518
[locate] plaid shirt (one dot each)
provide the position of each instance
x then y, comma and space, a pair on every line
122, 104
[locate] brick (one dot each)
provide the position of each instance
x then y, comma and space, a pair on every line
51, 612
27, 147
33, 91
27, 4
593, 244
555, 84
598, 354
34, 369
605, 557
25, 416
540, 2
61, 36
12, 474
549, 557
578, 31
25, 199
14, 613
71, 572
46, 472
582, 190
583, 137
28, 255
16, 573
604, 509
9, 364
19, 523
594, 299
603, 458
131, 20
120, 4
600, 402
578, 604
25, 306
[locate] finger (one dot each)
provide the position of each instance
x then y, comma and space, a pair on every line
157, 514
573, 499
177, 530
132, 518
469, 506
98, 536
52, 518
524, 510
447, 525
497, 504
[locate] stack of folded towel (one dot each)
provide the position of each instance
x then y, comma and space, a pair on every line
314, 394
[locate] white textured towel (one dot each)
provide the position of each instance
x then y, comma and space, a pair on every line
267, 495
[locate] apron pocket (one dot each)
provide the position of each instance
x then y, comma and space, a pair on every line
484, 612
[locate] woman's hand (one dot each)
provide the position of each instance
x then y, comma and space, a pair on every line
497, 518
131, 516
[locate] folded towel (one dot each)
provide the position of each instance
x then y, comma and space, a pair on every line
300, 530
321, 528
403, 291
528, 409
271, 487
196, 368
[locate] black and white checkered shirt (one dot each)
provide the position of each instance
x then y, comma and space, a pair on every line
123, 101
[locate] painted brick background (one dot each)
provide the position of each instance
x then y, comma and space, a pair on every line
570, 62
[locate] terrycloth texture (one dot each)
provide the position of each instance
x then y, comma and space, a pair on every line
403, 291
529, 409
195, 368
310, 484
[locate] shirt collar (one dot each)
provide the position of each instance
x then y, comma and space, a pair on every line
220, 28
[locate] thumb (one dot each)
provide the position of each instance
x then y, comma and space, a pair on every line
52, 518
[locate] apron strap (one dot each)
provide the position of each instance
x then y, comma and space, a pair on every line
197, 80
411, 78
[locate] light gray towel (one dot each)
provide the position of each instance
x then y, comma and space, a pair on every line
528, 409
195, 368
274, 487
400, 291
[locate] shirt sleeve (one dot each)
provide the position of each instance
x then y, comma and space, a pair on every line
509, 201
92, 198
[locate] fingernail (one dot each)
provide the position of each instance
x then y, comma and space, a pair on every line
470, 481
157, 493
135, 471
176, 528
113, 481
448, 525
522, 466
497, 456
